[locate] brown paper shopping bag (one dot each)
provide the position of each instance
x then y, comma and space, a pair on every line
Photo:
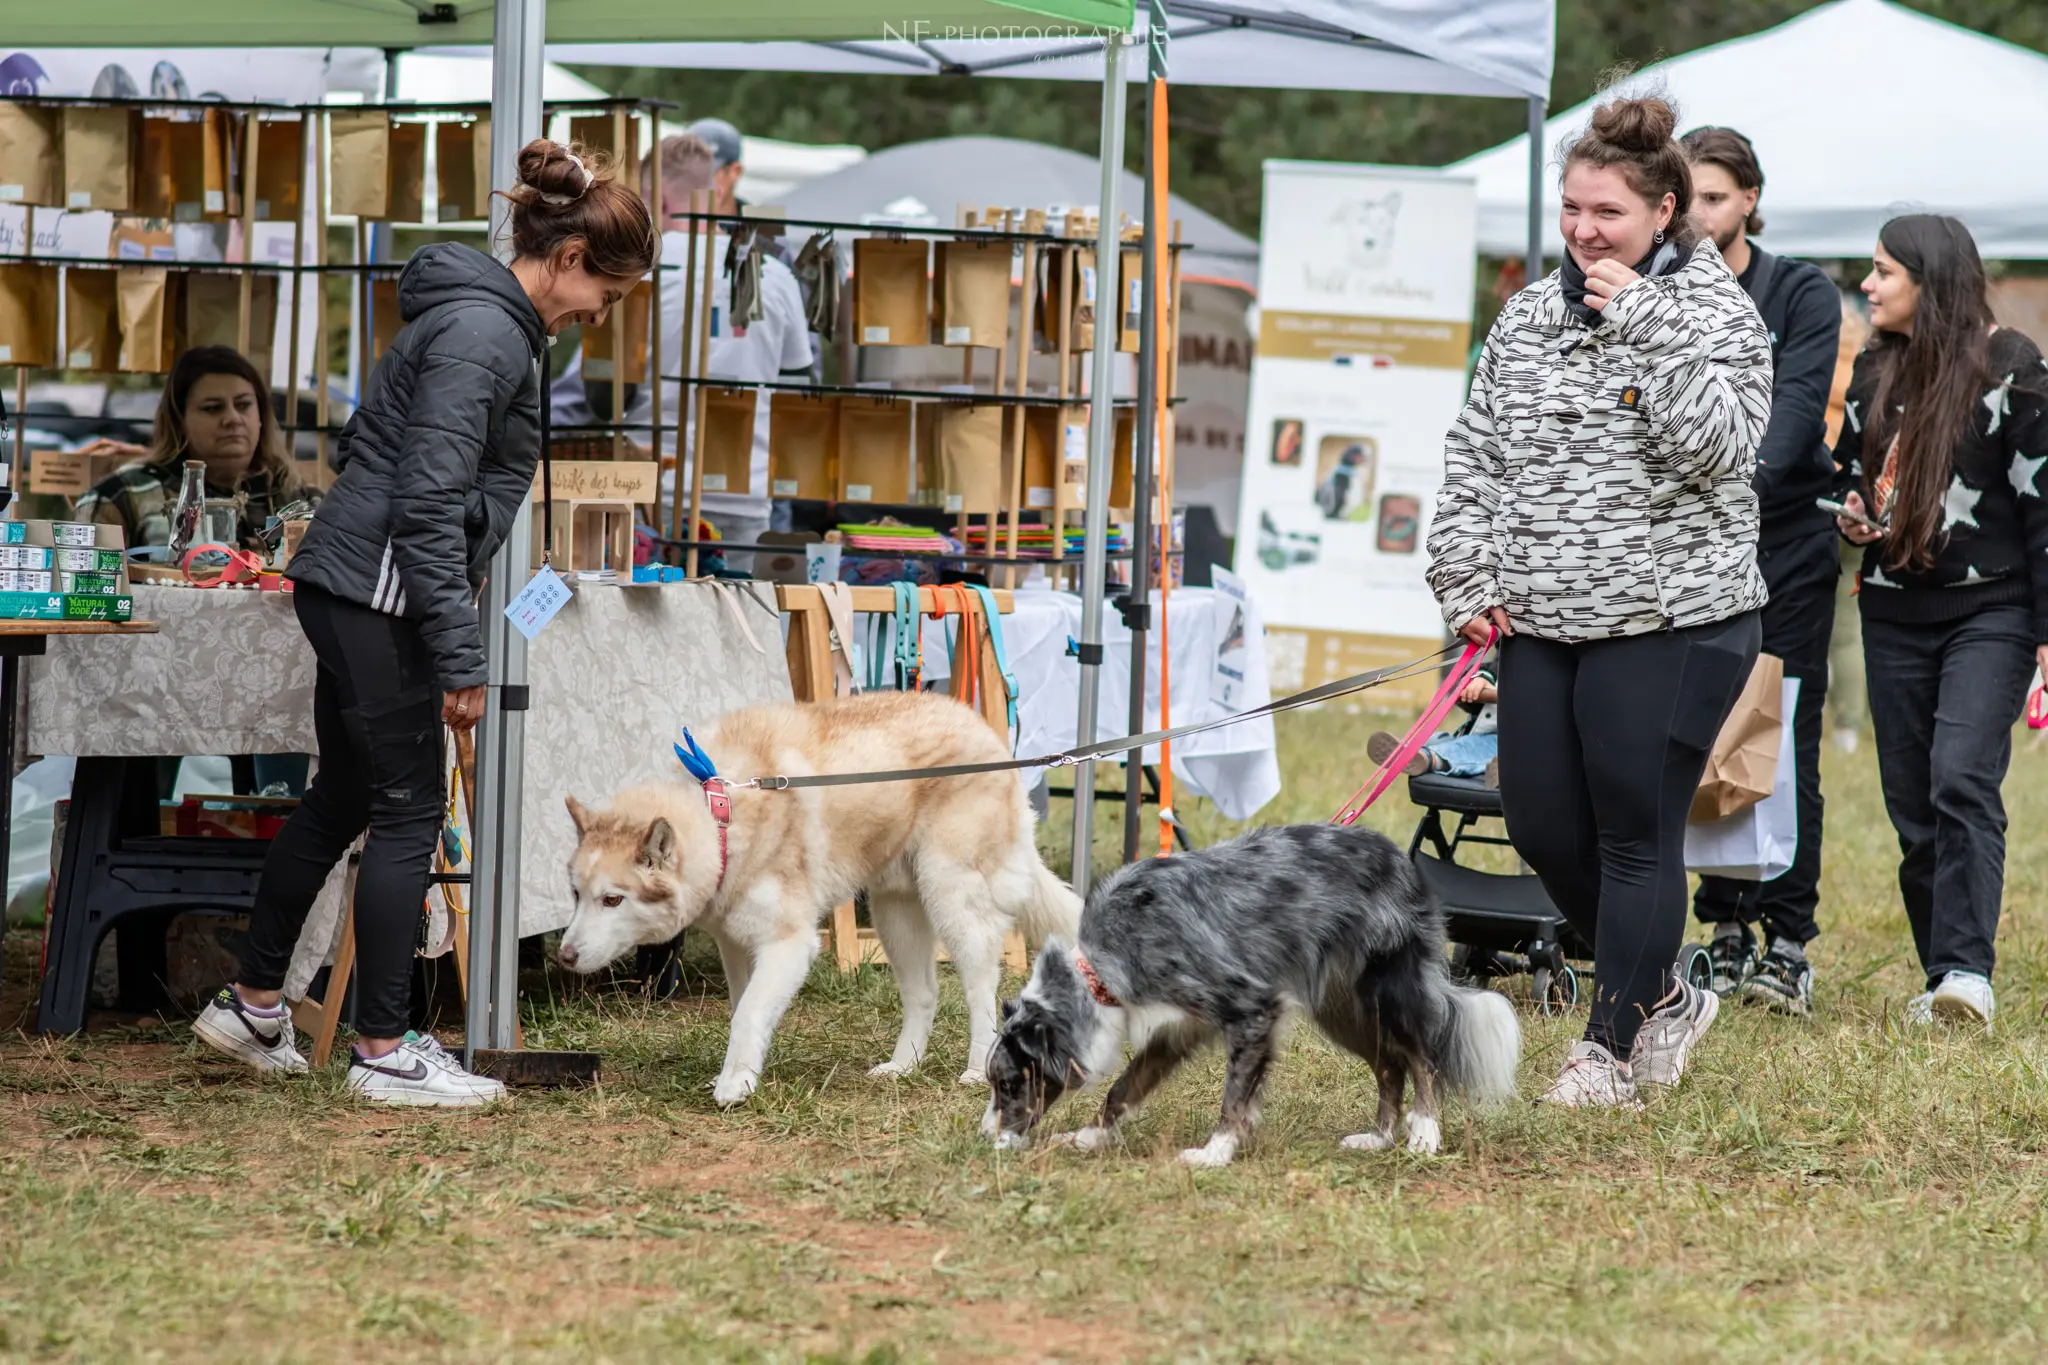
891, 292
406, 200
629, 318
359, 162
1742, 767
385, 322
100, 152
1130, 297
31, 155
455, 178
803, 446
150, 316
1042, 443
221, 164
874, 450
971, 284
28, 314
280, 169
727, 418
970, 438
92, 319
213, 313
170, 179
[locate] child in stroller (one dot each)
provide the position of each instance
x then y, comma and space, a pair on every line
1471, 750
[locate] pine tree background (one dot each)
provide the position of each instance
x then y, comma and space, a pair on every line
1221, 136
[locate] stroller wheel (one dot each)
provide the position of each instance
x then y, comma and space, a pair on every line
1694, 967
1555, 991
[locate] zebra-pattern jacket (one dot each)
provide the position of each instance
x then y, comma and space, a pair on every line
1597, 483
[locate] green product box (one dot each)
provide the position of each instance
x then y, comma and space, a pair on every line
81, 607
31, 606
75, 533
88, 561
90, 584
25, 556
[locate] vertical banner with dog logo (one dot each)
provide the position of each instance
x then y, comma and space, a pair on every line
1365, 327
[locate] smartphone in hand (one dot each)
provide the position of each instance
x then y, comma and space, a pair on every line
1830, 505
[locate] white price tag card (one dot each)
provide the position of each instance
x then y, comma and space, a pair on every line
538, 602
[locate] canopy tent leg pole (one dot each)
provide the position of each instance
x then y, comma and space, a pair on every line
493, 1013
1532, 258
1145, 434
1101, 450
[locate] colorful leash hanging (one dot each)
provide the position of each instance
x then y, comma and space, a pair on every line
993, 622
220, 564
909, 639
1419, 733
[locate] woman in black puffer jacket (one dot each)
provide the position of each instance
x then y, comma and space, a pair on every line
434, 465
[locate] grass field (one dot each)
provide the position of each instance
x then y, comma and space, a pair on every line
1846, 1189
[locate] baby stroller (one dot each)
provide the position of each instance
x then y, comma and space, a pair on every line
1502, 924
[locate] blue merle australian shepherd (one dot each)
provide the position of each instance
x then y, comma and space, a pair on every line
1228, 941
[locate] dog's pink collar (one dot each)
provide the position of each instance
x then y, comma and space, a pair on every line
1095, 986
720, 801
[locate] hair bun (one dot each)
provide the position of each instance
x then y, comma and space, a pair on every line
557, 175
1634, 125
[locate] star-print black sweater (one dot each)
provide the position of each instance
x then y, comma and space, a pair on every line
1993, 550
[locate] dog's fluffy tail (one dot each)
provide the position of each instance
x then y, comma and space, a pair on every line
1478, 1044
1051, 910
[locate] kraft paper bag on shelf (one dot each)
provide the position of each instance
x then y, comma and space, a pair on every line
1042, 443
1081, 322
598, 133
28, 314
971, 453
803, 446
92, 319
455, 178
481, 168
727, 416
1130, 297
213, 313
1120, 481
406, 200
130, 241
221, 164
100, 151
150, 315
891, 292
874, 450
928, 483
629, 316
31, 155
1742, 766
170, 180
359, 162
1759, 843
972, 285
385, 322
280, 169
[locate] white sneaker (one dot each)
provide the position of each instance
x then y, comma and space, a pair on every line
266, 1043
1592, 1079
1963, 998
1920, 1009
419, 1071
1667, 1037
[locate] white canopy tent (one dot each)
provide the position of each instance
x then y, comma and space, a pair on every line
1963, 135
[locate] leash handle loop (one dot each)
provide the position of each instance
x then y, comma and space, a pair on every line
1419, 734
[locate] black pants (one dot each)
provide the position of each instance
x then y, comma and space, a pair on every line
1943, 701
377, 716
1602, 745
1798, 622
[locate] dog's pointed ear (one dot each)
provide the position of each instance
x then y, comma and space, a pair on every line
579, 813
658, 845
1010, 1008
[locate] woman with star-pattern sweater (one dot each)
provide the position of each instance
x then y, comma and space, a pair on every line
1944, 442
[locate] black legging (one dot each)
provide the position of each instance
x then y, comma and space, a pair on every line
377, 716
1602, 745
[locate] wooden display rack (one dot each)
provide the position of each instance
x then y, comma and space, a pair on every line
810, 679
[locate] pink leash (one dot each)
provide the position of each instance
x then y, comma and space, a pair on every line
1420, 733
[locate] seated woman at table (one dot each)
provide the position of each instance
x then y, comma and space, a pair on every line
216, 409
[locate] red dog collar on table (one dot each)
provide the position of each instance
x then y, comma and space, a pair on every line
1095, 986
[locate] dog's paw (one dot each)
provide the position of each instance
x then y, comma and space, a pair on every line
1216, 1153
1093, 1138
1425, 1136
891, 1070
1012, 1142
732, 1090
974, 1076
1374, 1141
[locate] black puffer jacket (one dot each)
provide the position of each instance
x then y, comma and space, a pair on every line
436, 461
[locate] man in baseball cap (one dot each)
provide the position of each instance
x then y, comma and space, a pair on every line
724, 141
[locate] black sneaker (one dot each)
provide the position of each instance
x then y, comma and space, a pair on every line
1783, 982
1734, 958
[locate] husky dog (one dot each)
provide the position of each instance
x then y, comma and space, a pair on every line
951, 857
1175, 951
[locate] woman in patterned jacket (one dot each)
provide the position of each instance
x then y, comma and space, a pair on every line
1597, 512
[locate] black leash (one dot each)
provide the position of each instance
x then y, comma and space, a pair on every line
1357, 682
